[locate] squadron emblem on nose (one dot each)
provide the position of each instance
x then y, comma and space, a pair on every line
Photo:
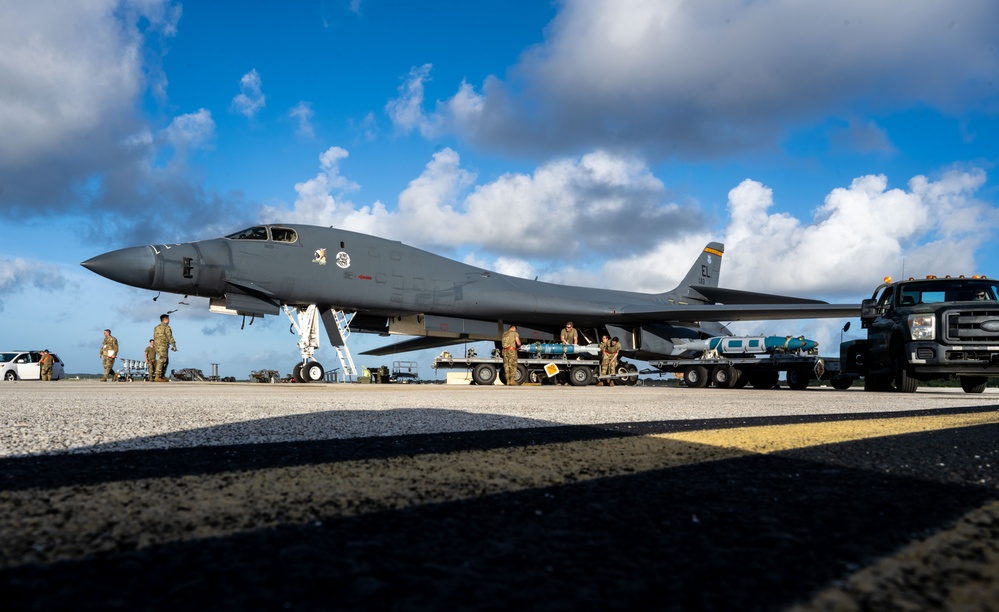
319, 257
343, 259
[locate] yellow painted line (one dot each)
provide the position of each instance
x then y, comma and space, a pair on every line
43, 526
775, 438
713, 251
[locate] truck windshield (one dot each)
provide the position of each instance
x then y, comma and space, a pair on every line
959, 290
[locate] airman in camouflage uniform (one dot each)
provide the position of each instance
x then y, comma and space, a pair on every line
608, 360
162, 339
151, 361
46, 365
108, 353
510, 342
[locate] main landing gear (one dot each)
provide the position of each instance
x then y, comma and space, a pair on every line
307, 328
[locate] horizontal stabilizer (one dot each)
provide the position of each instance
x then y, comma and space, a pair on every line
734, 296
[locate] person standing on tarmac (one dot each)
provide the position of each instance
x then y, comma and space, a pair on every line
510, 342
151, 360
46, 365
608, 360
108, 353
162, 339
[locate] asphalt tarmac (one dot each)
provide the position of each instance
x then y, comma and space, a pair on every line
425, 497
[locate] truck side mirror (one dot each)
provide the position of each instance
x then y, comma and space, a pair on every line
868, 309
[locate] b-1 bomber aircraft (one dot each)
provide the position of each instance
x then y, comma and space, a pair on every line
359, 282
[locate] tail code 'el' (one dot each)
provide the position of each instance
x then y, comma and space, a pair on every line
706, 270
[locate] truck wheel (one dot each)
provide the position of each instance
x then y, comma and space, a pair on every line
580, 376
904, 383
974, 384
724, 377
798, 378
484, 374
841, 382
695, 377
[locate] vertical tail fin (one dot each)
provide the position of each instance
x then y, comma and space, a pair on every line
704, 273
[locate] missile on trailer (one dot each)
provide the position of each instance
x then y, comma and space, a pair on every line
557, 348
746, 345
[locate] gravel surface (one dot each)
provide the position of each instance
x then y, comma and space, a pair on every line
246, 495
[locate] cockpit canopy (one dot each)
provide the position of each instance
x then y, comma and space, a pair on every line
266, 232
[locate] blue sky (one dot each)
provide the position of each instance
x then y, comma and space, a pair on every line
600, 143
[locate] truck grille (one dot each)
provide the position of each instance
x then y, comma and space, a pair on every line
964, 326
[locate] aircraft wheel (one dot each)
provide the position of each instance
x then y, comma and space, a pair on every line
974, 384
724, 377
296, 373
580, 376
798, 378
484, 374
312, 372
521, 376
695, 377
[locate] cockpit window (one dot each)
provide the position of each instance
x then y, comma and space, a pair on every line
283, 234
258, 232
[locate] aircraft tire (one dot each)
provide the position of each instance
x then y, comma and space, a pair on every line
484, 374
312, 372
695, 377
724, 377
580, 376
974, 384
296, 373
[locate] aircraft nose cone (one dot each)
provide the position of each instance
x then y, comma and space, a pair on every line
135, 266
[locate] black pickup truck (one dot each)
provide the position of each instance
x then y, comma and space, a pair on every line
926, 329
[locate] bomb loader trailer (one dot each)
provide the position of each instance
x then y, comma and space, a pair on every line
579, 365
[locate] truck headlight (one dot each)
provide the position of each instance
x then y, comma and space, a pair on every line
922, 327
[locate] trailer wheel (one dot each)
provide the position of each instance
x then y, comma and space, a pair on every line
695, 377
484, 374
797, 378
628, 373
724, 377
580, 376
537, 376
741, 380
974, 384
521, 376
764, 380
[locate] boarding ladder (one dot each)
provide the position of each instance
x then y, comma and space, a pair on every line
342, 352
